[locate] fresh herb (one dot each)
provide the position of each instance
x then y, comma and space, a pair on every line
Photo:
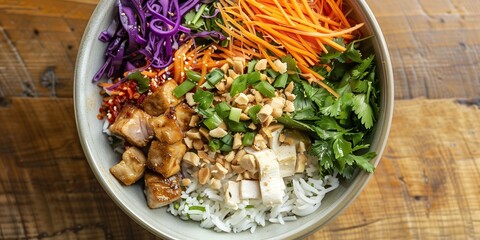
143, 82
340, 126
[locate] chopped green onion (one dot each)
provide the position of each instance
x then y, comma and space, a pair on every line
207, 85
224, 43
272, 73
235, 114
214, 144
212, 122
265, 89
226, 148
236, 126
222, 109
228, 139
192, 75
248, 139
248, 206
200, 208
281, 81
239, 85
206, 113
251, 66
253, 77
199, 13
214, 76
252, 113
183, 88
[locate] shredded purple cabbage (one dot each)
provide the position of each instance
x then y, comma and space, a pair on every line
144, 33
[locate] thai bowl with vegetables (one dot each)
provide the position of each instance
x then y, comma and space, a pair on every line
235, 116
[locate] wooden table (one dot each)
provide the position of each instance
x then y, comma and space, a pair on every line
427, 185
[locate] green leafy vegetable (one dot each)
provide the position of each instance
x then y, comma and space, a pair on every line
143, 82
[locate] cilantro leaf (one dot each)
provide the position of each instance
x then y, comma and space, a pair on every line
323, 151
332, 107
363, 161
352, 53
363, 110
359, 70
341, 147
329, 123
143, 82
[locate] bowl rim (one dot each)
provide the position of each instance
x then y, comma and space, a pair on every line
351, 193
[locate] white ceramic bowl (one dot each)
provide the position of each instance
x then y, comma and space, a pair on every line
132, 200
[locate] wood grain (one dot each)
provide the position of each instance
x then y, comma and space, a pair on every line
426, 186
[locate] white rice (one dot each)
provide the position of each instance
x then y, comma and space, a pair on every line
303, 196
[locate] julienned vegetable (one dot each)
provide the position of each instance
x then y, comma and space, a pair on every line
146, 34
238, 108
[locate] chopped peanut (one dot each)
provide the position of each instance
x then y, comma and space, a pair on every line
238, 156
237, 141
188, 142
191, 158
204, 133
237, 169
215, 183
248, 163
261, 65
219, 171
259, 142
194, 121
289, 106
218, 133
264, 113
289, 96
197, 144
281, 66
190, 101
241, 99
229, 157
244, 117
203, 175
193, 134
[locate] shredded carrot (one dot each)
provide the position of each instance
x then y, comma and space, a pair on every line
271, 29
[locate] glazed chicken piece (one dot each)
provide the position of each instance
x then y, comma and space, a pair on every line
161, 191
165, 158
161, 100
183, 113
166, 129
132, 125
132, 166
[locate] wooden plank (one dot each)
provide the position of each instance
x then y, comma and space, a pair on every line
426, 186
434, 46
38, 46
